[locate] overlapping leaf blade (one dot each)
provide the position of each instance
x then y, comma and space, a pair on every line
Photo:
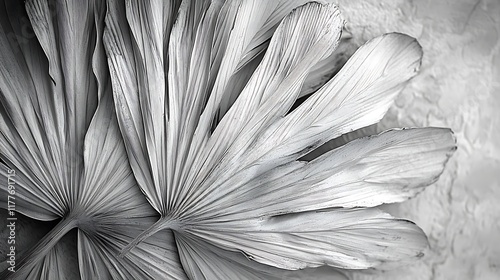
67, 151
352, 99
202, 99
201, 260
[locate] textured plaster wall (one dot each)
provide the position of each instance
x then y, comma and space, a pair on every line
458, 87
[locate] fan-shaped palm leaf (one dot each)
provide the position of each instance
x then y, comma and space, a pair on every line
205, 117
59, 133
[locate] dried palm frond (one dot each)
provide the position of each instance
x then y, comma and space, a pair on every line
168, 134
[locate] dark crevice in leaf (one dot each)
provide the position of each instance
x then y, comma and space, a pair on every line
35, 254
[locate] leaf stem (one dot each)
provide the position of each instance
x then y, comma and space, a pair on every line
162, 223
41, 249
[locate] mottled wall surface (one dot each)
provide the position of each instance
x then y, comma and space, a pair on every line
458, 87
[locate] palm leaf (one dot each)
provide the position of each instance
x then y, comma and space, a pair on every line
60, 134
233, 173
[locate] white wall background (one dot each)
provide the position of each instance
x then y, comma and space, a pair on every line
458, 87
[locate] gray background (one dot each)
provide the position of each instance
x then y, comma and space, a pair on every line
458, 87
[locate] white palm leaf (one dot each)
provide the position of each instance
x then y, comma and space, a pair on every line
204, 112
60, 135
